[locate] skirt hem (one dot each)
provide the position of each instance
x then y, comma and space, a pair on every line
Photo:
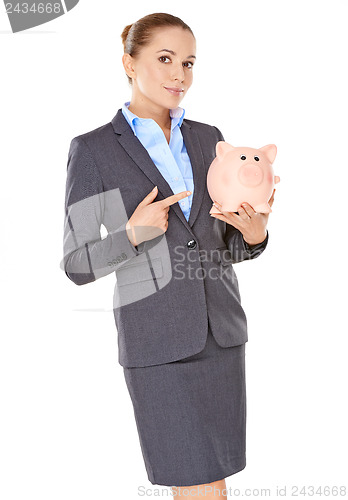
211, 478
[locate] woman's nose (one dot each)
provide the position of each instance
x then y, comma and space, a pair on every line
178, 72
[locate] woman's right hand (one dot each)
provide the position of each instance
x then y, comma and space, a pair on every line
150, 219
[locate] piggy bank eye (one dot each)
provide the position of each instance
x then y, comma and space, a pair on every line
256, 158
242, 157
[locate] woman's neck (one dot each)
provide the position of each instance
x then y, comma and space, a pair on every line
159, 115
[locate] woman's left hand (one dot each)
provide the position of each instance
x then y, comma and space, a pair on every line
251, 224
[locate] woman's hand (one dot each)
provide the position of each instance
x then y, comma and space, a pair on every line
251, 224
150, 218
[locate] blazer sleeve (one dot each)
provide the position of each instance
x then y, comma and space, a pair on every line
87, 256
239, 248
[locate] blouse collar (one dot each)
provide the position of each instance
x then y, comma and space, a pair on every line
176, 115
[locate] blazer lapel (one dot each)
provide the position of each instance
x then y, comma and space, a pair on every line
195, 153
141, 157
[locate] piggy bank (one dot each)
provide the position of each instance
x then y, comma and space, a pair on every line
239, 174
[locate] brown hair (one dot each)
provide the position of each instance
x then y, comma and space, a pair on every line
137, 35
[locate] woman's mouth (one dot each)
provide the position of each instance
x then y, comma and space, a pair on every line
174, 91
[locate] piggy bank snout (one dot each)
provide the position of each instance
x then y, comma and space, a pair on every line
250, 175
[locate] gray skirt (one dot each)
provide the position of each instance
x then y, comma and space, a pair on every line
191, 415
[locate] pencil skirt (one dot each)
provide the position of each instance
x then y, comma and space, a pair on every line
190, 415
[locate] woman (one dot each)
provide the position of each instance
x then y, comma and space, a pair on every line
181, 327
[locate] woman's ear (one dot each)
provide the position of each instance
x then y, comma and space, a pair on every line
128, 64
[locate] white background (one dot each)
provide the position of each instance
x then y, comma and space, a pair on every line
266, 72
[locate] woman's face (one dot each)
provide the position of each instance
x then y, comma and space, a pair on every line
165, 63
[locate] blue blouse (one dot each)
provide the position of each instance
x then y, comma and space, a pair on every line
172, 159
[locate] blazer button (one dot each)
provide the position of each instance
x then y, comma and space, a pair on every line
192, 244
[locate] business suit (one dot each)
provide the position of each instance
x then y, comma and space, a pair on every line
181, 327
110, 159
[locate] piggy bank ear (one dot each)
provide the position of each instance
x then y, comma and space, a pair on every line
222, 148
270, 151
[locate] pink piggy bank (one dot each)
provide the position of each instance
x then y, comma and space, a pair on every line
239, 174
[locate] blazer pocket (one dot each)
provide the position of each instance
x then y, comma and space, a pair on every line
139, 271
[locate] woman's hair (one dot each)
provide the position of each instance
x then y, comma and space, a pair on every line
137, 35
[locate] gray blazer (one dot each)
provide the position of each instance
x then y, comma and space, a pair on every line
168, 287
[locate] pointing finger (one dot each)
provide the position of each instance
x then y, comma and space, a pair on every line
170, 200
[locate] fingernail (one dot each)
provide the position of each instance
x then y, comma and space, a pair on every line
154, 189
188, 193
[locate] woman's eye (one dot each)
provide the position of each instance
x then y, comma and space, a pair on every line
256, 158
242, 157
164, 57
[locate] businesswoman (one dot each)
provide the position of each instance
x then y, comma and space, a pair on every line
181, 327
